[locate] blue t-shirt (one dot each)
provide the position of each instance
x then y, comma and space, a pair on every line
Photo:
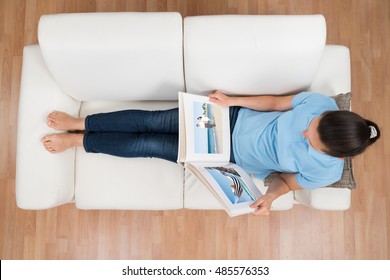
265, 142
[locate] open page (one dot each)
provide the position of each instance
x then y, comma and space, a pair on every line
230, 184
204, 130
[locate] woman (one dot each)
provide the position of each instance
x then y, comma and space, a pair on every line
304, 136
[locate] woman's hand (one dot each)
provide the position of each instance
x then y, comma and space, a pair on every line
262, 205
221, 99
280, 185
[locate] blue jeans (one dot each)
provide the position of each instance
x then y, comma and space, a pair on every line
138, 133
134, 133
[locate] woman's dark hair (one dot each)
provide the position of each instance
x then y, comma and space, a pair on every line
346, 134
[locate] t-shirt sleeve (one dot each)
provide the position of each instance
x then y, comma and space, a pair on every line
308, 183
316, 178
307, 97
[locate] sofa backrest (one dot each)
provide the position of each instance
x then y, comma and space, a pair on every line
241, 54
114, 56
139, 56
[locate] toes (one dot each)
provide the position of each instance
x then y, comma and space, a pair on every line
52, 115
50, 122
49, 148
56, 143
52, 119
46, 139
48, 143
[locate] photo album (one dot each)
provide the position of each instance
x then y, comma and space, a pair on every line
204, 148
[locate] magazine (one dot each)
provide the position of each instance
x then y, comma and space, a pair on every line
204, 148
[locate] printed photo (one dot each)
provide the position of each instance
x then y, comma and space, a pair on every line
232, 184
207, 128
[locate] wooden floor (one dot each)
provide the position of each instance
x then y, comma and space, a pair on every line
363, 232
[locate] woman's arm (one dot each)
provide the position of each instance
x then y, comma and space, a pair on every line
258, 103
280, 185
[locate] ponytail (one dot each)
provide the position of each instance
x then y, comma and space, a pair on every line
346, 134
374, 131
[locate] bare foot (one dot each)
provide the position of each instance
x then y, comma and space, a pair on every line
63, 121
56, 143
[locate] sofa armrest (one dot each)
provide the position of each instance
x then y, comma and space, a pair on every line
334, 72
325, 198
43, 180
333, 77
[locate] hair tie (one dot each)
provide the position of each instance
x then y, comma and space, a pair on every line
373, 132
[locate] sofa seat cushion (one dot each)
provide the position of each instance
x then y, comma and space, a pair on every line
107, 182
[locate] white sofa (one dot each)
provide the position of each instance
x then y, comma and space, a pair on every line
98, 62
